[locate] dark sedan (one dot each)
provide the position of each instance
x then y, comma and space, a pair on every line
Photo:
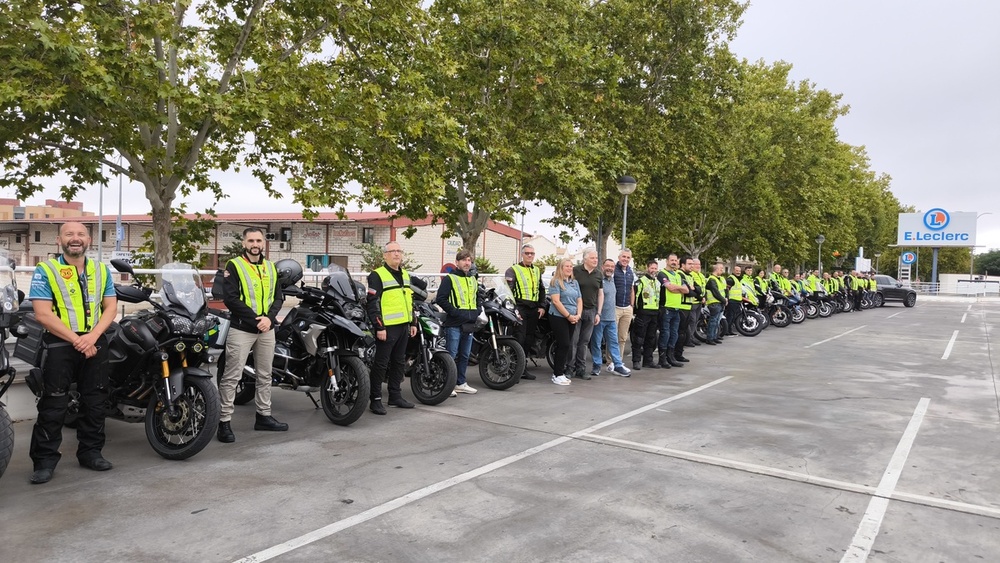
892, 290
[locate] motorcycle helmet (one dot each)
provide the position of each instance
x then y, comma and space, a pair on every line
289, 272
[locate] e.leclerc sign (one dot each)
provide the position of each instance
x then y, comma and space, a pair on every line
937, 227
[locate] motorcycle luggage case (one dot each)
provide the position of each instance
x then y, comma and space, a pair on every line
29, 348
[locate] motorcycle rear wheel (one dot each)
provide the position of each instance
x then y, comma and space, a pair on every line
246, 387
434, 387
347, 404
198, 411
6, 439
501, 368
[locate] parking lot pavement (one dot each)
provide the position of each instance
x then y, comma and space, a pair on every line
865, 435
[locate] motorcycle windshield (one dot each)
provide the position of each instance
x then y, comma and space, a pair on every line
340, 285
499, 284
8, 287
182, 290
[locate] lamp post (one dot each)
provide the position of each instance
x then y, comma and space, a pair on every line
972, 249
626, 185
877, 254
820, 239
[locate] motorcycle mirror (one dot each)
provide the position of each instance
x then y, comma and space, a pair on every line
122, 266
20, 296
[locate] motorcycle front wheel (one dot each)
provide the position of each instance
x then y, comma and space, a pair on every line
825, 309
798, 315
346, 405
749, 325
195, 422
780, 317
550, 355
501, 368
6, 439
434, 387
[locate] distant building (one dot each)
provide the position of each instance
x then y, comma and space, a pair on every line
328, 239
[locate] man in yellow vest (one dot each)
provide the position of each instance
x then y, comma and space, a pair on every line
734, 293
73, 297
525, 281
253, 296
672, 292
647, 310
458, 295
390, 310
715, 300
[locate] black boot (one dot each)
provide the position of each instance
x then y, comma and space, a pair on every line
267, 422
680, 358
637, 366
376, 406
400, 403
226, 433
662, 364
673, 361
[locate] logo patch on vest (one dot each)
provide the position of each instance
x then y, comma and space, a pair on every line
66, 273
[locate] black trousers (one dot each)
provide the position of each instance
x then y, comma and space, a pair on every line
644, 327
858, 294
682, 332
562, 331
527, 333
732, 310
63, 366
389, 360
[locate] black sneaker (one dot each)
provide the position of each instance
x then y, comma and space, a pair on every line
400, 403
528, 376
376, 406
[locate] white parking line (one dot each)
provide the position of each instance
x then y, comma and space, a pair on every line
863, 540
951, 344
963, 316
404, 500
836, 337
893, 315
970, 308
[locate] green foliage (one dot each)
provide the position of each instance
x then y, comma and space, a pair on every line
484, 266
550, 260
371, 258
187, 236
988, 262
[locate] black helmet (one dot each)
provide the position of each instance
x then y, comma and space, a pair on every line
289, 272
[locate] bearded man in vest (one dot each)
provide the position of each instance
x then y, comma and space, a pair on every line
458, 295
73, 297
390, 310
253, 296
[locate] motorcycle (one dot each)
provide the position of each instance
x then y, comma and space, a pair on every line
429, 366
778, 310
501, 359
319, 346
154, 359
10, 297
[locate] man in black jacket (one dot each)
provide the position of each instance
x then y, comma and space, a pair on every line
459, 296
253, 296
390, 309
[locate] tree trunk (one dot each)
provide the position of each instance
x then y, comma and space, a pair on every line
601, 241
470, 227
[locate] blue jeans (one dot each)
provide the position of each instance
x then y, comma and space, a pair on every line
605, 330
459, 345
669, 327
714, 316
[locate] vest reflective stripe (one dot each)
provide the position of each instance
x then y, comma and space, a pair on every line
257, 286
720, 284
736, 291
68, 302
686, 298
463, 292
527, 281
673, 300
649, 290
396, 302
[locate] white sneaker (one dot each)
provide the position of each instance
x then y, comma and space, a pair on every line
464, 388
453, 393
560, 380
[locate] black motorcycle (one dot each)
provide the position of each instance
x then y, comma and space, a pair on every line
494, 347
154, 359
431, 369
319, 347
10, 297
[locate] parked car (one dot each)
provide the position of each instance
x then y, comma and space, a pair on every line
892, 290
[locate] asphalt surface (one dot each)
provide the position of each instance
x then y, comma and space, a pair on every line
870, 435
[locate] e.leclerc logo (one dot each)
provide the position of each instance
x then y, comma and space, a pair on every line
936, 219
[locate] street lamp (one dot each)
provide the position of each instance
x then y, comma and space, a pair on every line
972, 249
877, 254
626, 185
820, 239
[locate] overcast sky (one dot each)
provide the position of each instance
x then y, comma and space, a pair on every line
922, 80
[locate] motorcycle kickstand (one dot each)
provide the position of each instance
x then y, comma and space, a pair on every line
313, 400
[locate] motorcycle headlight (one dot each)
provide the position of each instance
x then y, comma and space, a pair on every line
509, 305
432, 327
